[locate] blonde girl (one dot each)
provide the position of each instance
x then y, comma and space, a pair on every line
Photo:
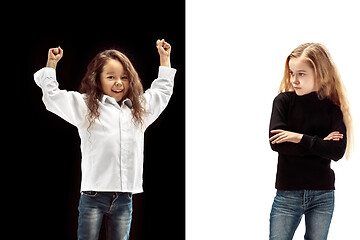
111, 113
310, 126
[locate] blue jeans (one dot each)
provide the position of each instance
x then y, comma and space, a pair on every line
288, 208
117, 209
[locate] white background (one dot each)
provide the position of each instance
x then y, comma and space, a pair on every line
235, 56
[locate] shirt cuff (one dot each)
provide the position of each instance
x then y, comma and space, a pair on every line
166, 72
43, 74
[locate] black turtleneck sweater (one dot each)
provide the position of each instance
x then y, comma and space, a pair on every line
306, 165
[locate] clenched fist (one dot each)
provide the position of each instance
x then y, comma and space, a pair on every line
164, 50
54, 56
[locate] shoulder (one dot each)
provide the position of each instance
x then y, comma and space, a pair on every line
333, 111
336, 111
333, 108
283, 97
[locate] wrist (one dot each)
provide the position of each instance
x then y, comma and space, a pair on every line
299, 137
165, 61
51, 63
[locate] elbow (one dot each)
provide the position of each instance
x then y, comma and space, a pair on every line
338, 153
337, 159
341, 149
273, 147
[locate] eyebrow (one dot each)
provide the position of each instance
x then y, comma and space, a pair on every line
107, 73
297, 71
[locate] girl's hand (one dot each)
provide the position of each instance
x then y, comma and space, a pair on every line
164, 50
285, 136
54, 56
334, 136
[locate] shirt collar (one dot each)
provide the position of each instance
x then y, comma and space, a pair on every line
111, 100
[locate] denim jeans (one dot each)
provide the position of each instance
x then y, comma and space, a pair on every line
288, 208
115, 207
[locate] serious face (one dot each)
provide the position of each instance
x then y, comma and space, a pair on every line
302, 76
114, 80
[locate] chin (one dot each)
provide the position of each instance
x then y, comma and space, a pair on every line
302, 93
118, 100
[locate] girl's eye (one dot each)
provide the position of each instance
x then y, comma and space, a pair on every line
301, 74
292, 74
124, 78
110, 77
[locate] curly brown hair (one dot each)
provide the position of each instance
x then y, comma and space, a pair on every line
91, 86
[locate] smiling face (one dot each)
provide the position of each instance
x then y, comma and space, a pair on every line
302, 76
114, 80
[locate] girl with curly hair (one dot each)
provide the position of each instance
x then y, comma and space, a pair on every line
111, 113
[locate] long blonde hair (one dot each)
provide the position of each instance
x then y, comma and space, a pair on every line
327, 78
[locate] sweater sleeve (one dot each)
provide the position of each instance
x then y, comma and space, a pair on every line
332, 150
279, 121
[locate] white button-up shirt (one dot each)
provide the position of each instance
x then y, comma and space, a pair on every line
112, 148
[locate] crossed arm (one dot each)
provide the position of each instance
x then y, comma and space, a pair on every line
282, 136
283, 141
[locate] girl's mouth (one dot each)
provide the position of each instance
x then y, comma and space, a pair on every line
117, 91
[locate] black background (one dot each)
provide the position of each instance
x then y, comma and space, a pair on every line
50, 162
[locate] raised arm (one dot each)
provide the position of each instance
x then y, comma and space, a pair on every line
158, 95
66, 104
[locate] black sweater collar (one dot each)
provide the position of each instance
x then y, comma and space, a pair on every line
308, 97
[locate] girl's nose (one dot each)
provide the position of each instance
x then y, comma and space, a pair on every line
118, 83
295, 80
